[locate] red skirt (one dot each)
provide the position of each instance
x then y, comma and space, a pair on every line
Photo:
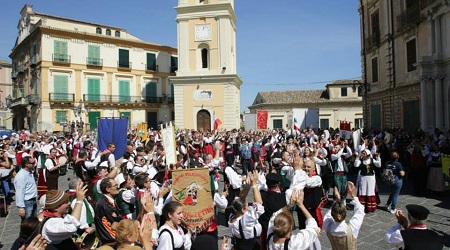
208, 149
42, 185
369, 202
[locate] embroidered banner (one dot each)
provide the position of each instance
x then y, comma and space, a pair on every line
192, 188
261, 119
168, 138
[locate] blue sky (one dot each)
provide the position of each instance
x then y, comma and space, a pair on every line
281, 45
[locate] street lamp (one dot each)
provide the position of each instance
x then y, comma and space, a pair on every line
81, 109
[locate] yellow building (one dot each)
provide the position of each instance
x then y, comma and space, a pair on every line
206, 83
68, 70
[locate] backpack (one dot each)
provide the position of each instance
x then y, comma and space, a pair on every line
388, 174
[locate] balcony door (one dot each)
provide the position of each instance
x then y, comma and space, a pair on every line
150, 92
93, 90
203, 120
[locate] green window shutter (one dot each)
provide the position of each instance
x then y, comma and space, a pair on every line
93, 89
61, 87
126, 114
150, 92
173, 64
124, 91
151, 61
60, 52
124, 58
94, 55
61, 116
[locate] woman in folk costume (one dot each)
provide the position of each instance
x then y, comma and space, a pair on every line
42, 182
435, 176
366, 179
208, 144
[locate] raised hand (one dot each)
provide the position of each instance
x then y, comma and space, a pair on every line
147, 202
81, 190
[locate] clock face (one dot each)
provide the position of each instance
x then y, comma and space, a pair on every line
203, 32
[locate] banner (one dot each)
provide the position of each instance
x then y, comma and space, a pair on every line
356, 136
261, 119
141, 130
192, 188
113, 130
168, 139
345, 130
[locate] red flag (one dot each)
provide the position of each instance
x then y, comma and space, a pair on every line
296, 127
217, 122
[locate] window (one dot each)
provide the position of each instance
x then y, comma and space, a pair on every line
108, 32
360, 91
324, 123
358, 123
343, 91
124, 91
173, 64
411, 56
98, 31
60, 53
204, 58
61, 116
117, 33
61, 87
375, 69
124, 58
375, 23
151, 92
277, 123
93, 86
151, 61
94, 55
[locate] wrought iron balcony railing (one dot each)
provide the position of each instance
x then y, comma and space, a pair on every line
170, 100
124, 65
426, 3
61, 58
34, 60
152, 67
373, 40
61, 97
120, 98
93, 61
408, 19
33, 99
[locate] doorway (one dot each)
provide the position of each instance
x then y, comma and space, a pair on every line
203, 120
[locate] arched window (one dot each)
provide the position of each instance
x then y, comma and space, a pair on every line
117, 33
204, 58
99, 31
108, 32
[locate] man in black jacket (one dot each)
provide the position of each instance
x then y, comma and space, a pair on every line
106, 212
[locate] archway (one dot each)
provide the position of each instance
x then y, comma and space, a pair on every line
203, 120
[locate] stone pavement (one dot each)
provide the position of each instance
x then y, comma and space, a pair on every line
370, 236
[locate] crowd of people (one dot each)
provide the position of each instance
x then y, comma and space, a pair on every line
127, 203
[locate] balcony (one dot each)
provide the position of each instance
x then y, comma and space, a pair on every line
20, 69
151, 67
19, 101
61, 97
61, 58
14, 75
124, 65
170, 99
34, 60
408, 19
120, 99
373, 40
425, 3
93, 61
33, 99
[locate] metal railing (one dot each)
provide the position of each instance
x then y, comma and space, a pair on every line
34, 60
61, 97
426, 3
124, 65
61, 58
408, 19
20, 68
153, 67
120, 98
373, 40
93, 61
33, 99
170, 99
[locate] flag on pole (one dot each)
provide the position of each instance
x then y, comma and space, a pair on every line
296, 127
217, 121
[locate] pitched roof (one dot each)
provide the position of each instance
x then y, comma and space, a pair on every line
290, 97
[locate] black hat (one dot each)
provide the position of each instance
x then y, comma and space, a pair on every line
272, 179
417, 211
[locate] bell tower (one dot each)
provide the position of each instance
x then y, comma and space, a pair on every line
206, 83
